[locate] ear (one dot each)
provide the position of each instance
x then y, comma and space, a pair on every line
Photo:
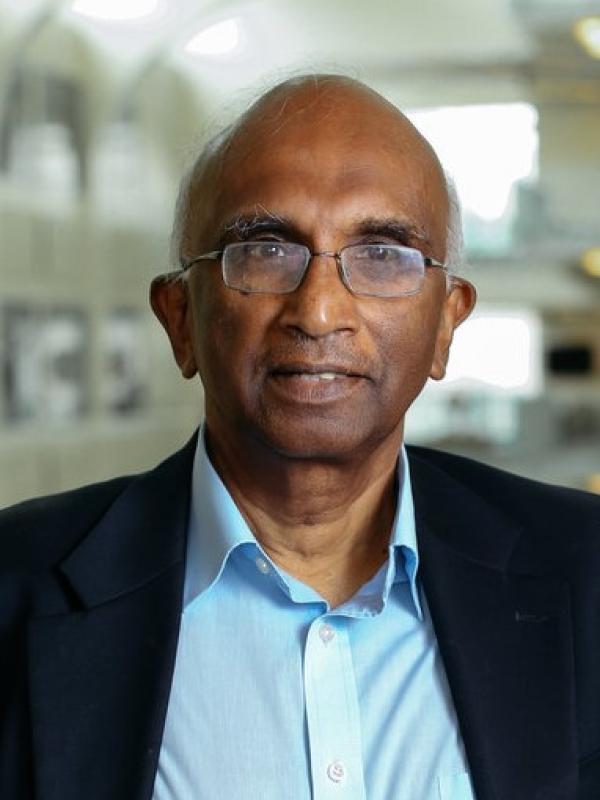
169, 299
458, 304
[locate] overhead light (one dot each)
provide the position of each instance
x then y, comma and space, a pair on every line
590, 262
115, 10
587, 32
218, 40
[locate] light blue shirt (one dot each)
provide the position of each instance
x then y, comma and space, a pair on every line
276, 695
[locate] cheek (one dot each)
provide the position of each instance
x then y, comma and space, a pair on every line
407, 345
228, 335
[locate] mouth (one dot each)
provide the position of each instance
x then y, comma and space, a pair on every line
314, 383
316, 372
317, 376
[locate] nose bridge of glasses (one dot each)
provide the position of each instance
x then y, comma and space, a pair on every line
336, 254
327, 253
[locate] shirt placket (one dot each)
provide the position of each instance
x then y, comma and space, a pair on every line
332, 712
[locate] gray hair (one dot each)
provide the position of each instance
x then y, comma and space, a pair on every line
194, 173
455, 247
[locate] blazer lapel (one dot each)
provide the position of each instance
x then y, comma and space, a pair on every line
102, 651
505, 640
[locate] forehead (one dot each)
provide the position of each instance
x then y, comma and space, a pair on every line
325, 160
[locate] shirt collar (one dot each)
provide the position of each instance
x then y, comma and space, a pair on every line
216, 528
403, 539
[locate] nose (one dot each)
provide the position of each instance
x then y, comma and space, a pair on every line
321, 305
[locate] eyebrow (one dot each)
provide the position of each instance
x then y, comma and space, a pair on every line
244, 226
391, 227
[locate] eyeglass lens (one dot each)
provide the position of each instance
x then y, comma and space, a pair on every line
278, 267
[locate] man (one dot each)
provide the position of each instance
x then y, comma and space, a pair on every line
295, 605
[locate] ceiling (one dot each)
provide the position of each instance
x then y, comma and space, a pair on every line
398, 46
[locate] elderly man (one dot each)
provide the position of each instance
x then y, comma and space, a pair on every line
295, 605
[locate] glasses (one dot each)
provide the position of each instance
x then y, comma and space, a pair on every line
374, 270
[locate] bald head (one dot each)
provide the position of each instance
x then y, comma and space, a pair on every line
340, 104
319, 114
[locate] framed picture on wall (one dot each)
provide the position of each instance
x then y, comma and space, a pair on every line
124, 386
45, 363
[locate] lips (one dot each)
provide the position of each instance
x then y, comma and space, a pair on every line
324, 371
309, 383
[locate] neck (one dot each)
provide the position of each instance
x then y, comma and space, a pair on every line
326, 522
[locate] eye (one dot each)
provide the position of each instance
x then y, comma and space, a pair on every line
380, 252
266, 250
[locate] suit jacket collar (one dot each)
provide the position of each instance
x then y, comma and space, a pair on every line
141, 535
460, 518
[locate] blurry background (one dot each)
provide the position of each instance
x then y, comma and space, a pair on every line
102, 103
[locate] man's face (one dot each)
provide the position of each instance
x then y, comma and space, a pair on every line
333, 174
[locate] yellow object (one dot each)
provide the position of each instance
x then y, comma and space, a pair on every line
593, 483
590, 262
587, 32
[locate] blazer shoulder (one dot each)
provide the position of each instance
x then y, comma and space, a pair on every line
494, 482
37, 532
544, 512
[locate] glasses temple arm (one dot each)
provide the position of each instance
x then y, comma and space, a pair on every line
214, 254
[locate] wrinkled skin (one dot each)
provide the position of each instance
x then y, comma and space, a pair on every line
329, 161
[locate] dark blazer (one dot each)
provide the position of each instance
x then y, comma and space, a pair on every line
90, 601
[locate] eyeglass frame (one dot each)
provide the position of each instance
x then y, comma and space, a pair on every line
337, 254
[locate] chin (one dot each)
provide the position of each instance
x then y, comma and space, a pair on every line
318, 439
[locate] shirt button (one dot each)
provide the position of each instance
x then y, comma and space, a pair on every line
262, 565
327, 633
336, 772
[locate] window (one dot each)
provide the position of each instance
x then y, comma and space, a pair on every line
491, 152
